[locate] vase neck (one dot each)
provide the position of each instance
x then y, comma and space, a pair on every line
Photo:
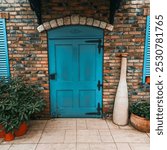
123, 68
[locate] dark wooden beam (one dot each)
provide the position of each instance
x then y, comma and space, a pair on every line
36, 6
114, 5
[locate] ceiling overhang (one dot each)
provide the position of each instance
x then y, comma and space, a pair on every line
36, 7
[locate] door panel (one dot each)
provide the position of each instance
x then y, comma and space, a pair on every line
78, 67
65, 98
87, 62
64, 62
87, 98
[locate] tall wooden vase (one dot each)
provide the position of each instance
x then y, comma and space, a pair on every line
120, 113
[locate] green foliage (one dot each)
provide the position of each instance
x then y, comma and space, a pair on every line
9, 122
18, 101
141, 108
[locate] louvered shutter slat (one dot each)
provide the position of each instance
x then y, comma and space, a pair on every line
4, 64
146, 67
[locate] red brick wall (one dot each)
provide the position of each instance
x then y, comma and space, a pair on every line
28, 50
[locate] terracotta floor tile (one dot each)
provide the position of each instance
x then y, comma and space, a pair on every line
61, 124
5, 146
71, 132
78, 134
83, 146
138, 146
104, 132
81, 124
96, 124
129, 136
88, 139
107, 138
56, 147
123, 146
87, 132
70, 139
37, 124
52, 136
23, 147
103, 147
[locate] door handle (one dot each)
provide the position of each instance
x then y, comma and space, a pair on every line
99, 85
52, 76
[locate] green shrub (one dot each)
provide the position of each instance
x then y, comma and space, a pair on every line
18, 101
141, 108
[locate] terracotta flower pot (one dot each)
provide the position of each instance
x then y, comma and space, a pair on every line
140, 123
9, 136
21, 130
148, 80
1, 126
2, 132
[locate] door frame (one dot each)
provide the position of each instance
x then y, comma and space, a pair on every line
91, 32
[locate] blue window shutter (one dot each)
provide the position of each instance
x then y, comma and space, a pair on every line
4, 61
146, 67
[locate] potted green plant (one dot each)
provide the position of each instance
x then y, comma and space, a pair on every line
8, 110
18, 101
9, 123
140, 115
30, 102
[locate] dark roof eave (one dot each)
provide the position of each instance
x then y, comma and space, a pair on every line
36, 7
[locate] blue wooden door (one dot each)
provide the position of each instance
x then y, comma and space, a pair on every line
75, 77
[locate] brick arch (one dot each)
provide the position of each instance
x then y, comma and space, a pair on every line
74, 20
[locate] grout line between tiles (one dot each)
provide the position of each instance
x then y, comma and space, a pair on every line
100, 136
110, 132
10, 146
116, 146
130, 146
89, 147
41, 135
112, 135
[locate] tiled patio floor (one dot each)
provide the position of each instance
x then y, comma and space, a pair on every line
78, 134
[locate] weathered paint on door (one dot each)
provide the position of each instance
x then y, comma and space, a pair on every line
75, 66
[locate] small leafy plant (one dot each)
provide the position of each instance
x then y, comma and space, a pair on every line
141, 108
18, 101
